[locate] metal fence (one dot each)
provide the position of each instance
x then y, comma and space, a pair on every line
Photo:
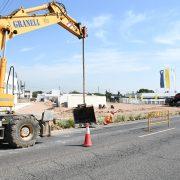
158, 117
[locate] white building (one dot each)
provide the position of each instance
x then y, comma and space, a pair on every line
157, 95
53, 96
73, 100
27, 94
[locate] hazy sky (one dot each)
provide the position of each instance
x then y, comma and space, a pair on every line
129, 42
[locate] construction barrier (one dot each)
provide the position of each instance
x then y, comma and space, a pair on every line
158, 117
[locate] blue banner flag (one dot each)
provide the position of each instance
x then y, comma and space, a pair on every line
162, 78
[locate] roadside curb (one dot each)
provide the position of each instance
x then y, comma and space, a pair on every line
98, 127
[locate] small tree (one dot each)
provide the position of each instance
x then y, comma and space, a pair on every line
108, 96
99, 94
35, 93
145, 91
75, 92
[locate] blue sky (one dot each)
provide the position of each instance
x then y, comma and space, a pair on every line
129, 42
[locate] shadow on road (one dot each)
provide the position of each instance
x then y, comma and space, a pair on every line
75, 145
5, 146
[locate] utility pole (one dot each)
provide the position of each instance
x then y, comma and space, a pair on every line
83, 63
59, 90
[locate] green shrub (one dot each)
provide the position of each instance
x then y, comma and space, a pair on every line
100, 120
65, 123
144, 116
131, 118
119, 118
138, 117
123, 118
71, 122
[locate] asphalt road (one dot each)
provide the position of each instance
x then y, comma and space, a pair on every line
118, 152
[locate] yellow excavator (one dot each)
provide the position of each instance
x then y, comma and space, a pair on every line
22, 130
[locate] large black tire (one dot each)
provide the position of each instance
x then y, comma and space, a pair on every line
22, 131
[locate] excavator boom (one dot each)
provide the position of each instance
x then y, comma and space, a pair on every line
26, 20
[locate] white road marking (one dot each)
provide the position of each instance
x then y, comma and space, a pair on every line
156, 132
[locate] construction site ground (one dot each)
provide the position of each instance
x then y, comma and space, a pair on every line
37, 109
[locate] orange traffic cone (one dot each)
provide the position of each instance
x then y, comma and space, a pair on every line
87, 140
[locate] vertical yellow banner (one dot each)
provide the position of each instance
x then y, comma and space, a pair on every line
167, 78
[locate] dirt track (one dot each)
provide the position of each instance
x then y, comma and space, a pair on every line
64, 113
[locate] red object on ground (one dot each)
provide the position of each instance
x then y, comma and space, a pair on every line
109, 119
87, 140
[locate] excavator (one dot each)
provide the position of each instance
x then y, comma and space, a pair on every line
21, 131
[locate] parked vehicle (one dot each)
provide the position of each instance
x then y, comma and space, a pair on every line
173, 101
